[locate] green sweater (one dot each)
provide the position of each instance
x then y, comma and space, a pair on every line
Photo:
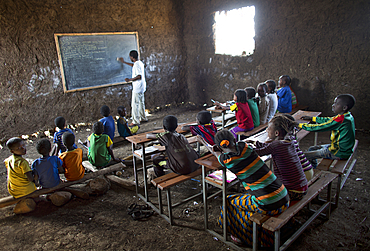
342, 129
254, 111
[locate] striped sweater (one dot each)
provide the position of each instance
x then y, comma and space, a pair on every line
268, 193
207, 132
287, 165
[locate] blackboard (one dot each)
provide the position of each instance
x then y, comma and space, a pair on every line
89, 60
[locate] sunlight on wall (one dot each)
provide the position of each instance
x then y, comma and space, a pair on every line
234, 31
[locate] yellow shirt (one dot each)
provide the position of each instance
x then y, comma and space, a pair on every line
18, 184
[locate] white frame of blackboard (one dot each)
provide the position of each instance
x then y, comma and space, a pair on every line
57, 35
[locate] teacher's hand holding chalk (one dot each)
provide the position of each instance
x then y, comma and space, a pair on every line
120, 60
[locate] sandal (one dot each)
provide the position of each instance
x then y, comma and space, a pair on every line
136, 208
138, 215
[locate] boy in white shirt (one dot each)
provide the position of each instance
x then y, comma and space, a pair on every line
273, 100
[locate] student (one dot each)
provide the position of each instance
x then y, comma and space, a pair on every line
47, 168
253, 105
306, 165
122, 126
294, 96
242, 112
265, 193
284, 95
263, 102
272, 97
287, 165
20, 180
72, 159
108, 122
100, 153
58, 147
205, 128
138, 88
342, 127
180, 155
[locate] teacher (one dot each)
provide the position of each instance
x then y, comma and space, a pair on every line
138, 88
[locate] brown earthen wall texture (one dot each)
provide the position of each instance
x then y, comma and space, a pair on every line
323, 46
31, 89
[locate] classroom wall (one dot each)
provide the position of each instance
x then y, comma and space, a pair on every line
323, 45
30, 80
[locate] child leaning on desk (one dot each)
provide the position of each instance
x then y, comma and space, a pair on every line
206, 127
342, 127
287, 166
265, 193
180, 155
242, 112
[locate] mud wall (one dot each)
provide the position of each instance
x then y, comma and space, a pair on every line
323, 45
31, 92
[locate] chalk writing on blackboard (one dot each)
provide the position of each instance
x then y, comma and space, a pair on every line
89, 60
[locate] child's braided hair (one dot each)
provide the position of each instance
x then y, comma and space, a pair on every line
283, 124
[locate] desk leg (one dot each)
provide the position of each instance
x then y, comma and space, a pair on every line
224, 198
144, 173
223, 120
315, 140
205, 204
135, 169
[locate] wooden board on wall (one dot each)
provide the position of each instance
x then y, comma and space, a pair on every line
89, 60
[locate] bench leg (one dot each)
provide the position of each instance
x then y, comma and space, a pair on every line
277, 240
169, 206
255, 236
205, 202
135, 169
328, 199
160, 205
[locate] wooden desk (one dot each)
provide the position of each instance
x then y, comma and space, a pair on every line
140, 139
222, 111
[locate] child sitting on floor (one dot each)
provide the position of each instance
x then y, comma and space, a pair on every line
263, 102
122, 125
20, 180
284, 94
242, 112
100, 152
47, 168
272, 97
180, 155
287, 166
342, 127
59, 147
205, 128
108, 122
265, 193
253, 105
72, 159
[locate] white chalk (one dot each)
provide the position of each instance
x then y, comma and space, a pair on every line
117, 59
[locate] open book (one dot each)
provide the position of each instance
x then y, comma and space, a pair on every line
218, 175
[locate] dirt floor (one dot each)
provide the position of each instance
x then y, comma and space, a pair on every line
101, 222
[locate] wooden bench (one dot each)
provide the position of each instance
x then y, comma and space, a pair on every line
167, 181
275, 223
342, 168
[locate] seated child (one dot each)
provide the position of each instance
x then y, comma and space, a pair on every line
100, 152
306, 165
294, 96
263, 103
205, 128
20, 178
242, 112
72, 159
284, 94
265, 194
47, 168
58, 147
342, 127
122, 126
253, 105
287, 165
272, 97
108, 122
180, 155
